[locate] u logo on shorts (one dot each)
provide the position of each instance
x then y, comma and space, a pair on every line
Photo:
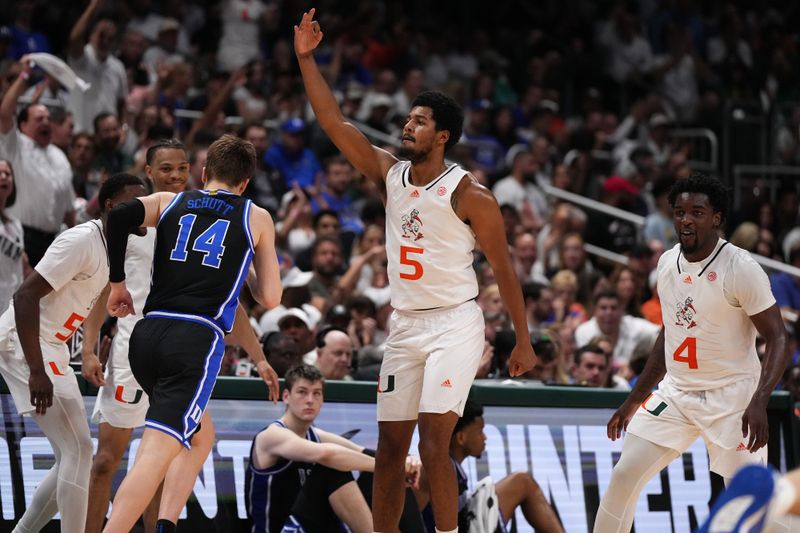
136, 398
389, 384
658, 410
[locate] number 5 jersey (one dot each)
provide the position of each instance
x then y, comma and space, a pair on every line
429, 249
76, 267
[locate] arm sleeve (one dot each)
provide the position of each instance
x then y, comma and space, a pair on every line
747, 286
122, 220
65, 258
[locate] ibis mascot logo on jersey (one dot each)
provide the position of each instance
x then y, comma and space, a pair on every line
686, 313
412, 225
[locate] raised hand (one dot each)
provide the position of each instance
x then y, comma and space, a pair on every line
307, 35
239, 77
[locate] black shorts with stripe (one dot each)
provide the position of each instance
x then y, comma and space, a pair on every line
176, 362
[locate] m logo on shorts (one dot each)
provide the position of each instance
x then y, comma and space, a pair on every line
389, 384
136, 397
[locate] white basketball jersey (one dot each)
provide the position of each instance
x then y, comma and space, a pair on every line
138, 266
428, 247
76, 266
709, 339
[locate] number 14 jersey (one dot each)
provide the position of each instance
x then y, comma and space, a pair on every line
203, 251
429, 249
709, 339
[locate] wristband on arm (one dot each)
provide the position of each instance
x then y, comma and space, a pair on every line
123, 219
368, 451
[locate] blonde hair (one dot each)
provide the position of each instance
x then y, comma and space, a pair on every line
745, 235
490, 290
564, 280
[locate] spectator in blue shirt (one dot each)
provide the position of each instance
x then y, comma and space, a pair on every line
24, 40
293, 160
335, 195
786, 287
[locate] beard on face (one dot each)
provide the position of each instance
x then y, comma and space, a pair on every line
689, 248
328, 271
415, 156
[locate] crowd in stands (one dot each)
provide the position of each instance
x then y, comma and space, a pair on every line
581, 97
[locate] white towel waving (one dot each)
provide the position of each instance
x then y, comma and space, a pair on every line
59, 70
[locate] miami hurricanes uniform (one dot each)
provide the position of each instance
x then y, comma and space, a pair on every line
712, 364
436, 331
76, 267
121, 402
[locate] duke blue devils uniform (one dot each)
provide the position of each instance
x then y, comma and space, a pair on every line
293, 496
203, 251
271, 492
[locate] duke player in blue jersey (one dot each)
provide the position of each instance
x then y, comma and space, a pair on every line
205, 243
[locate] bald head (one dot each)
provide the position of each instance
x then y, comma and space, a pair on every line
335, 355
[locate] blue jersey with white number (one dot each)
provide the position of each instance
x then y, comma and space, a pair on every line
203, 251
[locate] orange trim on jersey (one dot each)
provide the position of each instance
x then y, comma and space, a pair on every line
645, 401
55, 369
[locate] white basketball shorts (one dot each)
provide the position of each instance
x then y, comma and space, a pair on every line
430, 361
121, 403
674, 418
16, 372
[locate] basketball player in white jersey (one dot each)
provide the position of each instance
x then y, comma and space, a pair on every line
48, 308
715, 299
121, 403
434, 215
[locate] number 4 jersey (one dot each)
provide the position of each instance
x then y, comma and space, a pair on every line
429, 249
202, 255
709, 339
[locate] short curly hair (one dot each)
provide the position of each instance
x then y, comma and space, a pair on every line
446, 113
717, 193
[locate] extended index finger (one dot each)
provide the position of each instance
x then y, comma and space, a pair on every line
308, 16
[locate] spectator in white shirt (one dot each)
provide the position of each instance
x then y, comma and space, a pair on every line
241, 21
519, 188
628, 53
624, 331
94, 63
42, 172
